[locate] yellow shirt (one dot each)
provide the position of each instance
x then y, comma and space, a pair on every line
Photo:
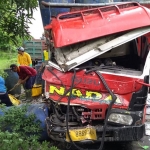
45, 55
24, 59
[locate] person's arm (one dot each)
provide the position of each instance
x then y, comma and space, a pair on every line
19, 82
18, 61
23, 81
29, 60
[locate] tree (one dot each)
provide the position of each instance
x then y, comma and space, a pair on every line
15, 15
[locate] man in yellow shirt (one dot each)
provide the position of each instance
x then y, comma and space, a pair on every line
45, 59
23, 58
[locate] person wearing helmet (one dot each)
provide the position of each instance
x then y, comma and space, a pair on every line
23, 58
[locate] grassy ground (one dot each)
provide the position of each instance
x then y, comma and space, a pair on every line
6, 59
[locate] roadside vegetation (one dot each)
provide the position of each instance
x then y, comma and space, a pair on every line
19, 131
15, 16
7, 58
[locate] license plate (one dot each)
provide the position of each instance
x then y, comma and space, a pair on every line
82, 134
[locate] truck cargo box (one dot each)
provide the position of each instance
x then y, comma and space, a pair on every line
35, 48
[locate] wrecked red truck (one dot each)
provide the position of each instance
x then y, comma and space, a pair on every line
97, 80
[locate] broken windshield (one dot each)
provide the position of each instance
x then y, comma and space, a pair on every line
117, 51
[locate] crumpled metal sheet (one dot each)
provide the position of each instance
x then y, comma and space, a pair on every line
71, 57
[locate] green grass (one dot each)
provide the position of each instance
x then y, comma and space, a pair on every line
6, 59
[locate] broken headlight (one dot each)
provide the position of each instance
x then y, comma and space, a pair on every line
120, 119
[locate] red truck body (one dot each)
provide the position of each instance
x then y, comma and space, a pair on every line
78, 26
89, 90
85, 92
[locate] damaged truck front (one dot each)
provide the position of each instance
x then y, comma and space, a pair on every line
98, 77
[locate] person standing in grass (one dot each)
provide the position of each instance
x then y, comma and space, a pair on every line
23, 58
4, 98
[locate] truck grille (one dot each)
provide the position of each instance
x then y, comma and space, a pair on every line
94, 114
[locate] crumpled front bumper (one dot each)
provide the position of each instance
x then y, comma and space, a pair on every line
126, 133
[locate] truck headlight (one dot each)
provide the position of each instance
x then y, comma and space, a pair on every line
120, 119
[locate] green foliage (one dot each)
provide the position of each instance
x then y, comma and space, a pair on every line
23, 131
7, 58
19, 122
3, 74
14, 141
8, 46
15, 15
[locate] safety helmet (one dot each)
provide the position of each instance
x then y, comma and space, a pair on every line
20, 49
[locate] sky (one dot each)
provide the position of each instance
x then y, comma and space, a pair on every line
36, 28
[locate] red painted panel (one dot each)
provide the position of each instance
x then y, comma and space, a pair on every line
88, 90
97, 22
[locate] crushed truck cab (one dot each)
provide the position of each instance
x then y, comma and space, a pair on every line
98, 77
